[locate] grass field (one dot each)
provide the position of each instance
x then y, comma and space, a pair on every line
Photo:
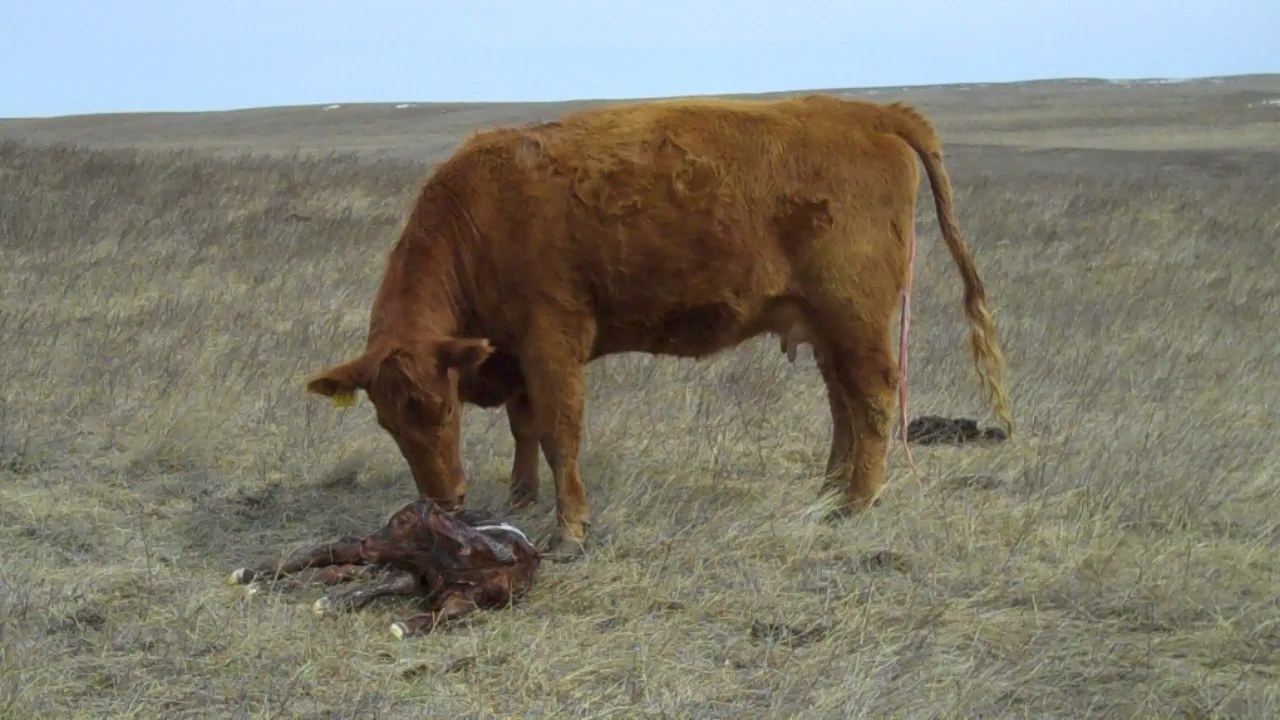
169, 280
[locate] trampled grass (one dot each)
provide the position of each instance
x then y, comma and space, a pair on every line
1117, 558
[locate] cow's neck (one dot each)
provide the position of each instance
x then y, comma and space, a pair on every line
428, 283
420, 296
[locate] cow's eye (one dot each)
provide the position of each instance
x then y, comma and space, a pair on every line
420, 413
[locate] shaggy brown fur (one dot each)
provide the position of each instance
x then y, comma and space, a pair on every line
679, 228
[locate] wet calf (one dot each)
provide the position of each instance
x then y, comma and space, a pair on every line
461, 560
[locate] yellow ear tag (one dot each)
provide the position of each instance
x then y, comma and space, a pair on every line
343, 399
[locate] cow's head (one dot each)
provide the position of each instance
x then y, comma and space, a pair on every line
414, 391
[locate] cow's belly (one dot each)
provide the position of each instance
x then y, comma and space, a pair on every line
706, 318
685, 330
682, 289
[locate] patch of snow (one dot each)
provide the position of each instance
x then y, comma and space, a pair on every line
402, 106
1149, 81
332, 107
1274, 101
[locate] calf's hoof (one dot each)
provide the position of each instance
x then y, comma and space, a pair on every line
240, 576
338, 602
400, 630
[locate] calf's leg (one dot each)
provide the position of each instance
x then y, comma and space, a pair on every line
455, 605
401, 583
345, 551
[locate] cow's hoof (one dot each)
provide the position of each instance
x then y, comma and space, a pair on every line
838, 513
848, 509
322, 606
563, 548
400, 630
521, 500
240, 576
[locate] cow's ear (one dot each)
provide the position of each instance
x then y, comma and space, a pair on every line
462, 353
340, 382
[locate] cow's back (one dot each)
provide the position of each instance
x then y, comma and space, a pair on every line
675, 219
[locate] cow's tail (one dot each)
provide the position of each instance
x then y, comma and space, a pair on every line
918, 132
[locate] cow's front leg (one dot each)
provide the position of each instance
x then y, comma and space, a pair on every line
554, 372
524, 469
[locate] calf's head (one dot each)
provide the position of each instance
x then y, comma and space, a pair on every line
405, 536
415, 397
420, 534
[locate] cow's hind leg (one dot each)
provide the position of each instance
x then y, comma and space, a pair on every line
862, 363
524, 469
345, 551
841, 422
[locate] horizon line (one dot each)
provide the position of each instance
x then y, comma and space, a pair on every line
626, 98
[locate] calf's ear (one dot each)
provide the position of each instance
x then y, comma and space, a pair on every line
340, 382
463, 353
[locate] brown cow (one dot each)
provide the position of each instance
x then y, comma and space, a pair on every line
680, 228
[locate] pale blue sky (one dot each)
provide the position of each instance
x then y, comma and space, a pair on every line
76, 56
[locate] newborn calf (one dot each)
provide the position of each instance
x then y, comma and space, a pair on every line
462, 560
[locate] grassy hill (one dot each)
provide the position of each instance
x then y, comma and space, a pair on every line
170, 278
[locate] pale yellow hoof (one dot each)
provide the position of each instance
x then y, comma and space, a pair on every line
400, 630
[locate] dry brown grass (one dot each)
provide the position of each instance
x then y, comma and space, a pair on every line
1118, 558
